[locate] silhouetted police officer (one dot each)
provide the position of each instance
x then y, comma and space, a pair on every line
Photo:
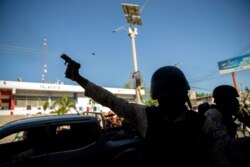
220, 129
170, 130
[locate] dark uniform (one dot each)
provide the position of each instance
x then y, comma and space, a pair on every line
170, 131
223, 147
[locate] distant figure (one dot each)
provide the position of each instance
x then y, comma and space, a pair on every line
244, 118
220, 129
203, 107
245, 110
170, 131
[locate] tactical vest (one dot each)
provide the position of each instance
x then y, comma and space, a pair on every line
176, 143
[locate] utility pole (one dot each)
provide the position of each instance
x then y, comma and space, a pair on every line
132, 14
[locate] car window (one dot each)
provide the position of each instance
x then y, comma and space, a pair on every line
14, 137
73, 136
62, 128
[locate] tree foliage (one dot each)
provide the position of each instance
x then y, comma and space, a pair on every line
202, 94
63, 105
151, 102
45, 106
127, 85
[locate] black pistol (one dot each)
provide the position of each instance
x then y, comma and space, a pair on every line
70, 63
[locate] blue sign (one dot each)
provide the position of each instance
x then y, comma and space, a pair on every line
234, 64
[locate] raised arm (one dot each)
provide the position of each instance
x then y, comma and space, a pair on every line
134, 113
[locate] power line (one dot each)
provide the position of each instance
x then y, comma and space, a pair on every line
24, 51
242, 51
209, 76
27, 51
200, 88
144, 5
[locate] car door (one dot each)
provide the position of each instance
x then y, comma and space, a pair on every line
25, 146
74, 143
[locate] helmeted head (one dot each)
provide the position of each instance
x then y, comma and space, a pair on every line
226, 95
224, 92
168, 82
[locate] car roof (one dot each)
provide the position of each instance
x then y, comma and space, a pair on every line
43, 121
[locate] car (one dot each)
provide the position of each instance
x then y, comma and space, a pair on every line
63, 140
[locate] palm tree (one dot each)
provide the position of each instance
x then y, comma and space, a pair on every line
150, 102
64, 104
45, 106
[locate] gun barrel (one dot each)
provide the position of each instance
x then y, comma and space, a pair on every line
70, 61
66, 58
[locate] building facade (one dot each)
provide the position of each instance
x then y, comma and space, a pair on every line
17, 97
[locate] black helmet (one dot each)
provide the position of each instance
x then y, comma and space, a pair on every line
223, 92
168, 81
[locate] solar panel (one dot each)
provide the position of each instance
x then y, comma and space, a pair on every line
132, 13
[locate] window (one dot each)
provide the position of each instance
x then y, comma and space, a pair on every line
73, 136
14, 137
